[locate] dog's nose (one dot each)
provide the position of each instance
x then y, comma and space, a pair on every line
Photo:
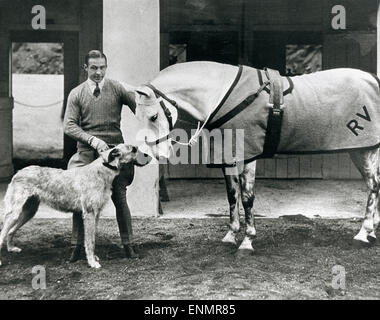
134, 149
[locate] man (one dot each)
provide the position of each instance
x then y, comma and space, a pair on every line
92, 118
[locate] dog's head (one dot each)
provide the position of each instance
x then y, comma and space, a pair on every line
123, 154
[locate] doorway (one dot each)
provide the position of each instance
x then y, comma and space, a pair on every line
37, 90
45, 68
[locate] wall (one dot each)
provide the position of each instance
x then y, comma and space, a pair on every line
76, 23
281, 22
131, 43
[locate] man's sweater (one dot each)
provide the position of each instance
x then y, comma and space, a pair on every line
87, 115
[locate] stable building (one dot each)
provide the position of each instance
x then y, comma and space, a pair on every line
140, 37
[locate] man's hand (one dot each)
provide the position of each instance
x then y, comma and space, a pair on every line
97, 144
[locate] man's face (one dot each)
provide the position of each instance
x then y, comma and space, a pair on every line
96, 69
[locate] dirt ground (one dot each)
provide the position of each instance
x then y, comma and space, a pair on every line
185, 259
206, 198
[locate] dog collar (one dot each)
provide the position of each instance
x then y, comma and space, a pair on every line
110, 167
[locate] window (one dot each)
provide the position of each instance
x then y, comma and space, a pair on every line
301, 59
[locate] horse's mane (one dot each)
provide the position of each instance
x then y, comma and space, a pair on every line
183, 66
192, 67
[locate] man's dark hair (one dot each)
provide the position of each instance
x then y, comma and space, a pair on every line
94, 54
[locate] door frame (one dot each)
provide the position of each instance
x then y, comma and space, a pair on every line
70, 40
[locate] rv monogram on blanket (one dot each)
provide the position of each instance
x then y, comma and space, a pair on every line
328, 111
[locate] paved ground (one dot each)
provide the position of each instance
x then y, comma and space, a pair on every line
274, 198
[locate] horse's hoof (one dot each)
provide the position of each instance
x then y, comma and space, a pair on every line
246, 245
230, 241
230, 238
95, 264
14, 249
361, 236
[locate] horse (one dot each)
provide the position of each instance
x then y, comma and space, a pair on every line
335, 110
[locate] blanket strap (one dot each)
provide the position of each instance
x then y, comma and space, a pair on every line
239, 108
276, 99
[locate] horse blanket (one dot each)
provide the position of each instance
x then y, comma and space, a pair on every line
335, 110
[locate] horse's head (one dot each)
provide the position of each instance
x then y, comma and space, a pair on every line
155, 119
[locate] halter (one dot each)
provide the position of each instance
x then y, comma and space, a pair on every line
169, 117
210, 116
167, 113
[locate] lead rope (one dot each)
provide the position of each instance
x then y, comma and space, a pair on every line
194, 139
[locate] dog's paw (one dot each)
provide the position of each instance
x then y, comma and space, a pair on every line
14, 249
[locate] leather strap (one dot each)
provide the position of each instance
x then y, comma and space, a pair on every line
274, 124
110, 167
276, 96
167, 112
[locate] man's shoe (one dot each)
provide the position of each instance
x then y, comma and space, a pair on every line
77, 254
130, 252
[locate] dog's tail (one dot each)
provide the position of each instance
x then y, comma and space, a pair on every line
29, 207
7, 202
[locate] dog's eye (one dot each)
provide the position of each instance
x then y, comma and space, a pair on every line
154, 118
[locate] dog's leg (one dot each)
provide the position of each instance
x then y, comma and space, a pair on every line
10, 220
247, 186
233, 192
367, 163
89, 221
29, 209
97, 216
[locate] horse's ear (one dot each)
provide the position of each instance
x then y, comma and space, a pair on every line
142, 93
145, 91
146, 96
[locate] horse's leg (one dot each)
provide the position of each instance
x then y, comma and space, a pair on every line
233, 191
367, 163
247, 186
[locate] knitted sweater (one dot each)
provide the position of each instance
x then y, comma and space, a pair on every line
87, 115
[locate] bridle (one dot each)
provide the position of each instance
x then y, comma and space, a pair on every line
167, 113
169, 117
210, 116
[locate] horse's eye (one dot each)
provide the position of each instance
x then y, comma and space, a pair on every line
154, 118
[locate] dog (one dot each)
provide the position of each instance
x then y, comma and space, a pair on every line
84, 190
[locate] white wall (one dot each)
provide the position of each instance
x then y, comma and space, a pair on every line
132, 45
131, 39
378, 41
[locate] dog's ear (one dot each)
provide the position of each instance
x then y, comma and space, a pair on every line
114, 153
112, 157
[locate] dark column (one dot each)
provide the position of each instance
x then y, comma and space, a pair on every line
6, 106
